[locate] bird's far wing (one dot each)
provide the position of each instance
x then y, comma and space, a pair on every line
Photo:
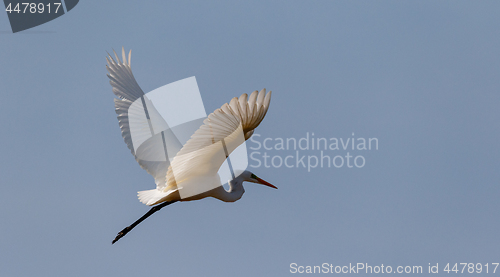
222, 132
126, 88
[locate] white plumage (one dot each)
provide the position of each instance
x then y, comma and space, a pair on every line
192, 174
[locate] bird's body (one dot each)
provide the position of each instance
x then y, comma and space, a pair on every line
192, 174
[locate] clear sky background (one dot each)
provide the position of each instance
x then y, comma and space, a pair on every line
421, 76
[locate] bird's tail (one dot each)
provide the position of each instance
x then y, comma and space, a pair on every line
154, 196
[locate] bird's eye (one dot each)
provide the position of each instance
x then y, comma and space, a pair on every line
253, 176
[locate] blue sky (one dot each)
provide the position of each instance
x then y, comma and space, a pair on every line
421, 77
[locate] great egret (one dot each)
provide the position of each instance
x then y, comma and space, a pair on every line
197, 162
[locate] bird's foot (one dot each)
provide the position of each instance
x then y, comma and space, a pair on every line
121, 234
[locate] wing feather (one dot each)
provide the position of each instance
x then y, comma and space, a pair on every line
126, 88
231, 124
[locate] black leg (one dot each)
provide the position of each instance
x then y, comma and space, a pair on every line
149, 213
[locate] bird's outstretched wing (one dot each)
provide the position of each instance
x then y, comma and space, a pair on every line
126, 88
194, 168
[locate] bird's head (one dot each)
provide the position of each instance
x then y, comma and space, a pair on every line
250, 177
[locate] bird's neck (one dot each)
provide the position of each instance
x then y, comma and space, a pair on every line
235, 192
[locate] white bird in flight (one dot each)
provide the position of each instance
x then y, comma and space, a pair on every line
198, 161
